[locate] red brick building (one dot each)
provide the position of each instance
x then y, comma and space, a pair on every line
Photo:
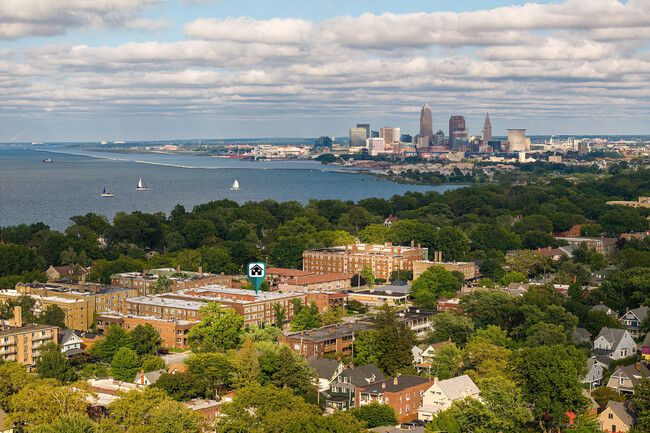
402, 393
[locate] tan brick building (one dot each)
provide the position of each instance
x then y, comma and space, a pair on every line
20, 343
172, 332
350, 259
466, 268
180, 280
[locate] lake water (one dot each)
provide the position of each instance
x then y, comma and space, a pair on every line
33, 191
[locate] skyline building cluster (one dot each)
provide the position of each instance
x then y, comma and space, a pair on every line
390, 139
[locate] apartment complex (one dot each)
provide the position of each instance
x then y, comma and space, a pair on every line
466, 268
144, 282
350, 259
257, 308
327, 340
173, 332
20, 343
328, 282
78, 301
641, 202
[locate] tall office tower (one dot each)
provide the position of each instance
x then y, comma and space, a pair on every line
583, 148
366, 126
375, 146
406, 138
458, 135
439, 138
374, 134
390, 135
517, 141
426, 122
357, 137
487, 129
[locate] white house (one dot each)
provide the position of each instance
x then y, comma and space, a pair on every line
148, 378
70, 342
613, 344
326, 370
443, 393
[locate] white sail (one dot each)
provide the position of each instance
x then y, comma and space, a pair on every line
141, 185
235, 185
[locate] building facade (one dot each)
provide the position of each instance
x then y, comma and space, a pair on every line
350, 259
426, 123
403, 393
327, 340
466, 268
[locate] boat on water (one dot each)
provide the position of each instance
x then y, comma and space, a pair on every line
141, 186
48, 160
235, 186
107, 194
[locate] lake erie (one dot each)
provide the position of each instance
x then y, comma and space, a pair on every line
33, 191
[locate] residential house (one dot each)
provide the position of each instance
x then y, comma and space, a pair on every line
176, 368
626, 377
443, 393
613, 344
69, 271
209, 408
390, 220
632, 320
581, 335
452, 304
606, 309
70, 342
594, 376
331, 339
418, 319
645, 348
148, 378
342, 390
423, 355
326, 370
403, 393
616, 417
3, 419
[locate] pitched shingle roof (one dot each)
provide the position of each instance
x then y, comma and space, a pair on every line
612, 335
621, 410
640, 312
396, 384
459, 387
324, 367
360, 376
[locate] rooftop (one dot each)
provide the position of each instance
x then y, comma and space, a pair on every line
396, 384
315, 279
329, 332
25, 329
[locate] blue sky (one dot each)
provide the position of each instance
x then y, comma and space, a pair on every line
73, 70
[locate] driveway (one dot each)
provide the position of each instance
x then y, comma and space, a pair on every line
173, 358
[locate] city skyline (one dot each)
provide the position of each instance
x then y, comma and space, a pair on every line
153, 70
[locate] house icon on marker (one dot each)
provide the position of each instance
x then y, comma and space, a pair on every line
256, 271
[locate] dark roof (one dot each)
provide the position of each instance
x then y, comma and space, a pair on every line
396, 384
399, 282
324, 367
359, 375
331, 331
72, 352
646, 340
631, 372
620, 408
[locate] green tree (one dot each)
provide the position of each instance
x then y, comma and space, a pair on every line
13, 378
219, 330
641, 404
545, 334
365, 344
449, 325
293, 372
375, 414
215, 369
125, 364
145, 339
174, 417
307, 317
513, 277
367, 275
604, 394
402, 275
434, 283
152, 363
132, 412
448, 361
162, 285
182, 386
115, 338
393, 343
549, 377
246, 365
54, 364
453, 243
338, 422
53, 315
485, 359
487, 237
73, 423
279, 315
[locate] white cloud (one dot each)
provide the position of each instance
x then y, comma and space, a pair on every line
21, 18
245, 29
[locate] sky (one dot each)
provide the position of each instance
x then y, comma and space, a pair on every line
123, 70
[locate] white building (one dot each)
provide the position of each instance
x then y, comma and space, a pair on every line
444, 392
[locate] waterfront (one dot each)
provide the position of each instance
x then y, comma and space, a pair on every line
33, 191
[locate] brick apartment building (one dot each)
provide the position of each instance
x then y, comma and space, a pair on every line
350, 259
327, 340
402, 393
328, 282
173, 332
180, 280
466, 268
20, 343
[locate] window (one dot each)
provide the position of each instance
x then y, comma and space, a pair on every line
610, 416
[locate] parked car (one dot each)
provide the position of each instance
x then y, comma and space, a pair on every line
159, 352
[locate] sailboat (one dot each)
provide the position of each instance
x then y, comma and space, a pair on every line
141, 185
235, 186
48, 160
107, 194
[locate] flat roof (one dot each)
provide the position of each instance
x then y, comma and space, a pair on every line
313, 279
217, 289
159, 301
114, 315
26, 329
328, 332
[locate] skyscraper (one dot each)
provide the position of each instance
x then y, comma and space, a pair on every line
357, 137
458, 135
487, 129
518, 142
390, 135
366, 126
426, 122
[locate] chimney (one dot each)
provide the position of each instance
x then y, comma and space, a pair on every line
395, 380
383, 385
601, 302
142, 377
389, 244
412, 244
575, 278
435, 380
17, 321
638, 366
549, 248
200, 269
178, 268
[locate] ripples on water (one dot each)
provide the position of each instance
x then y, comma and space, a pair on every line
33, 191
